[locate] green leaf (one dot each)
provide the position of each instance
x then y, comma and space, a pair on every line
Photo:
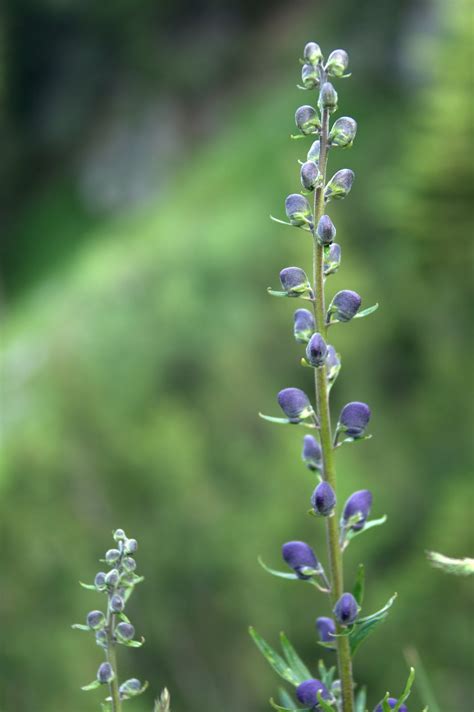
89, 586
91, 686
349, 439
79, 626
406, 692
274, 572
366, 312
385, 706
359, 585
285, 697
294, 660
361, 700
276, 661
272, 419
363, 627
351, 534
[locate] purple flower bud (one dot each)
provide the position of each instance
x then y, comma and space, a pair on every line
298, 210
309, 76
130, 687
303, 325
295, 404
307, 693
326, 629
337, 63
323, 499
112, 556
345, 305
101, 638
358, 504
312, 454
314, 151
340, 185
312, 53
298, 555
326, 230
129, 564
307, 120
117, 604
294, 281
333, 362
354, 418
328, 97
95, 619
392, 702
343, 132
309, 175
119, 535
316, 351
105, 673
99, 580
332, 258
112, 578
125, 631
131, 545
346, 609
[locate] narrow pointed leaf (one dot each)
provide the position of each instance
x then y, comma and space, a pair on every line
406, 692
361, 700
366, 312
272, 419
91, 686
276, 661
288, 709
326, 676
280, 574
285, 698
79, 626
359, 586
89, 586
294, 660
363, 627
351, 534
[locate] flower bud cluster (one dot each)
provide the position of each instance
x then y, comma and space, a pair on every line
112, 627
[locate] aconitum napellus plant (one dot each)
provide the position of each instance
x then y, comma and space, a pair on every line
343, 516
111, 628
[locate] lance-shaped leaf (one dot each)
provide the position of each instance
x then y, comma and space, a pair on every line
293, 577
276, 661
359, 586
288, 709
350, 534
294, 660
307, 227
91, 686
366, 312
285, 698
363, 627
406, 692
286, 421
326, 676
361, 700
350, 439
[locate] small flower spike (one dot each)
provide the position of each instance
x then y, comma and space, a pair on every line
312, 454
354, 419
323, 499
304, 325
326, 629
344, 306
295, 404
392, 702
346, 609
299, 555
358, 505
316, 351
307, 693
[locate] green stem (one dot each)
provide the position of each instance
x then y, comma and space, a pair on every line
112, 659
322, 404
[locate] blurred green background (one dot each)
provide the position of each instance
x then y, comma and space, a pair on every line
145, 144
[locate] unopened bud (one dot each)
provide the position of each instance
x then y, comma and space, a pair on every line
100, 579
326, 629
312, 53
357, 509
295, 404
119, 535
95, 620
105, 673
314, 151
354, 418
343, 132
112, 578
332, 258
309, 175
125, 631
337, 63
117, 604
328, 97
131, 545
309, 76
346, 609
299, 555
345, 305
323, 499
339, 185
392, 703
312, 454
307, 120
316, 351
326, 230
294, 281
303, 326
309, 691
112, 556
298, 210
131, 687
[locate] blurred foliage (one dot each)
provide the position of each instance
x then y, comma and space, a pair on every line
131, 383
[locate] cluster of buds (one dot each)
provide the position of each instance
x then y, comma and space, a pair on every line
345, 629
112, 627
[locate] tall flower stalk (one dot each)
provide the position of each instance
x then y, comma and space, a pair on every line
347, 629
